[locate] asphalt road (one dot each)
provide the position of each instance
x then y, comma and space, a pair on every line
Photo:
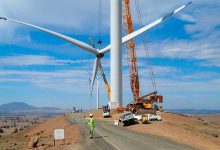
110, 137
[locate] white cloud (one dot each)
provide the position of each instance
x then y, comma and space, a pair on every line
69, 17
30, 60
69, 78
75, 17
206, 49
197, 95
80, 17
204, 43
158, 71
63, 14
204, 23
187, 17
200, 75
189, 86
64, 80
205, 14
76, 82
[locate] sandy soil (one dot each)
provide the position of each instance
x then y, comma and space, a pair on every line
183, 129
44, 133
179, 128
214, 118
198, 131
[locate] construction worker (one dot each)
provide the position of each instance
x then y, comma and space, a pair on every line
91, 123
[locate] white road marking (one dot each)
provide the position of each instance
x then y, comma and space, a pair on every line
107, 139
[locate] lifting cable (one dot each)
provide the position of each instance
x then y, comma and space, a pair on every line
99, 43
147, 53
99, 24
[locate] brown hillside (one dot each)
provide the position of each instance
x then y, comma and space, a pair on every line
43, 133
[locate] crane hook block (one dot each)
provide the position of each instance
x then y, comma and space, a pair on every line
99, 43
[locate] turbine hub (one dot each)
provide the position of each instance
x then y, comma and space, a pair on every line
100, 55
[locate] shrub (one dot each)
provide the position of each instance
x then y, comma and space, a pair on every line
15, 131
1, 130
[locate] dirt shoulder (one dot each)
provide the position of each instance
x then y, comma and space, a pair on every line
179, 128
42, 136
213, 118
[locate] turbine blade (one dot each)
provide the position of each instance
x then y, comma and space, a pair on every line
95, 69
153, 24
146, 28
64, 37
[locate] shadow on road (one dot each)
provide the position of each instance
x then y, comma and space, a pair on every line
101, 137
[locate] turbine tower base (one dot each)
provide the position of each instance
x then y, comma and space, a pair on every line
113, 105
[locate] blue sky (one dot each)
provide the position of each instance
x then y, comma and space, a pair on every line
43, 70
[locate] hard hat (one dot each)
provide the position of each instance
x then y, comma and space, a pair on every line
91, 115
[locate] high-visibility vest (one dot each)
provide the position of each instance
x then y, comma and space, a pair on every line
92, 122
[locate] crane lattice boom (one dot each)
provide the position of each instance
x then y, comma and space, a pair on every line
131, 52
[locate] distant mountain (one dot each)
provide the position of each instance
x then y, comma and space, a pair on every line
14, 106
20, 108
193, 111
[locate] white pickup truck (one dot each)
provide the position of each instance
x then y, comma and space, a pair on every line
127, 118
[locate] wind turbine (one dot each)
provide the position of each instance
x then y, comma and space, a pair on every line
115, 46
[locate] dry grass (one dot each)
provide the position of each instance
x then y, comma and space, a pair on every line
44, 132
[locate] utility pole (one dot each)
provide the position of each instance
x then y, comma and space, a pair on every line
116, 53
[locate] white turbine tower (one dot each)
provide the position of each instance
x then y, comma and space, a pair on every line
97, 91
115, 46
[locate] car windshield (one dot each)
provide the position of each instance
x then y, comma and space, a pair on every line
128, 114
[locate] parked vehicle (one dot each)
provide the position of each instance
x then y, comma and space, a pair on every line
106, 111
138, 117
120, 109
127, 118
145, 119
155, 118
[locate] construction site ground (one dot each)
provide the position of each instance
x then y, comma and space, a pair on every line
202, 131
173, 132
